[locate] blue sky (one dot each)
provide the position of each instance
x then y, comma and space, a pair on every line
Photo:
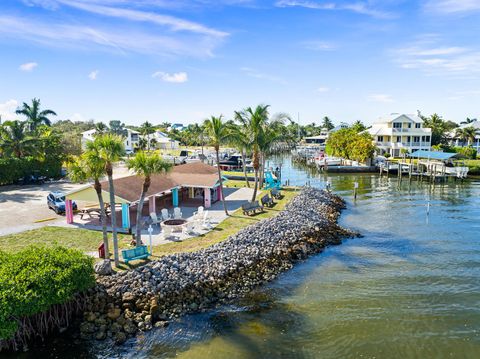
184, 60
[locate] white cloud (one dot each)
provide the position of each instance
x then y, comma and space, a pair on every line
28, 67
363, 8
177, 77
7, 110
380, 97
118, 40
93, 75
263, 76
318, 45
452, 6
323, 89
429, 55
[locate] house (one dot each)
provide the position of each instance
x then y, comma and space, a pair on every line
455, 141
131, 139
397, 131
163, 142
188, 185
319, 140
177, 126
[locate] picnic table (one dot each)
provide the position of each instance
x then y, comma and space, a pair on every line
92, 212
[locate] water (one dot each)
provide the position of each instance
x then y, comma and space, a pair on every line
409, 288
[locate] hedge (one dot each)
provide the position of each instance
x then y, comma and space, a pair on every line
13, 168
34, 280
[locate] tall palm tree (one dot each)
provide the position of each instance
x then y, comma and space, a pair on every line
110, 149
242, 141
34, 116
467, 134
327, 123
100, 128
256, 121
146, 129
145, 165
88, 167
468, 121
218, 133
15, 140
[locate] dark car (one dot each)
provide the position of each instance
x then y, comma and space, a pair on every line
56, 201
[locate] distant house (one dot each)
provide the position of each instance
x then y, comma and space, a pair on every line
396, 131
339, 127
163, 142
319, 140
131, 139
455, 141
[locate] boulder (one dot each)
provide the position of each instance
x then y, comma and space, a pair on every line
103, 267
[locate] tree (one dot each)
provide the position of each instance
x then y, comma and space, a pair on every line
146, 129
15, 140
437, 124
327, 123
358, 126
218, 133
145, 165
110, 149
241, 140
88, 167
349, 144
100, 128
467, 134
34, 116
117, 128
468, 121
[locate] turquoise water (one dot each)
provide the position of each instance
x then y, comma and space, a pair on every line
410, 288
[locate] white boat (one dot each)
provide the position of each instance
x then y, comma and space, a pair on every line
328, 161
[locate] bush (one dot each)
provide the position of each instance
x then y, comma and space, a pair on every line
13, 168
33, 280
468, 152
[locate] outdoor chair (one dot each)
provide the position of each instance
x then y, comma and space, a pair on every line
165, 214
199, 212
206, 222
188, 228
154, 218
167, 232
177, 213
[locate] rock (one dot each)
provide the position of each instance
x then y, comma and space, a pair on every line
161, 324
120, 338
128, 297
87, 328
130, 328
101, 335
103, 267
114, 313
90, 317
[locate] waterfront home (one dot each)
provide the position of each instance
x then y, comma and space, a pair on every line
397, 131
163, 142
319, 140
456, 141
131, 141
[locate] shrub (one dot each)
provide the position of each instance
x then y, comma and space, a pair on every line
33, 280
13, 168
467, 152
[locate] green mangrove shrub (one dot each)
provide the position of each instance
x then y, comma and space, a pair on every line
35, 281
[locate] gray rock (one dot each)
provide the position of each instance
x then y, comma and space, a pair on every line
103, 267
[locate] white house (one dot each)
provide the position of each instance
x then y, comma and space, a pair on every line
131, 140
163, 142
457, 142
397, 131
319, 140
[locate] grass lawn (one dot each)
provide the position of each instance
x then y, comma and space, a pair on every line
237, 173
228, 227
82, 239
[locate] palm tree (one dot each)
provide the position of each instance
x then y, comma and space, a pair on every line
100, 128
218, 133
34, 116
146, 129
145, 165
117, 128
15, 140
327, 123
468, 121
87, 167
241, 140
467, 134
110, 149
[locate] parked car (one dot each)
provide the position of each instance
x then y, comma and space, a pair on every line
56, 201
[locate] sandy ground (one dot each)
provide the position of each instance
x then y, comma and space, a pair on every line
22, 206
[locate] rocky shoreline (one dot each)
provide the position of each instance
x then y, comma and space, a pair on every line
129, 302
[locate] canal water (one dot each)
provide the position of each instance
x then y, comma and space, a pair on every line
409, 288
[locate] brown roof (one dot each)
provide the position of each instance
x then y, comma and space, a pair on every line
196, 174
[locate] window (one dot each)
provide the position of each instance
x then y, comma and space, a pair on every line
416, 138
397, 125
418, 125
408, 139
423, 138
127, 143
380, 138
409, 125
427, 138
134, 137
399, 139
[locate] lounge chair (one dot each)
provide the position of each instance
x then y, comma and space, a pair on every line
165, 214
206, 223
188, 228
154, 218
177, 213
199, 212
267, 201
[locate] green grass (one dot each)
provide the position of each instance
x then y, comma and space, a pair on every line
82, 239
237, 173
225, 229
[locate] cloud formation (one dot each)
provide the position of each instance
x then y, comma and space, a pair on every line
452, 6
176, 77
28, 67
93, 75
7, 110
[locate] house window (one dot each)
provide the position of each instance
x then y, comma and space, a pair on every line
399, 139
397, 125
408, 139
427, 138
134, 137
423, 138
418, 125
416, 138
380, 138
128, 143
409, 125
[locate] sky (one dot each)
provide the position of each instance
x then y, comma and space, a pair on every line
182, 61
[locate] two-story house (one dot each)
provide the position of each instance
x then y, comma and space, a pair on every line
131, 139
455, 140
397, 131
